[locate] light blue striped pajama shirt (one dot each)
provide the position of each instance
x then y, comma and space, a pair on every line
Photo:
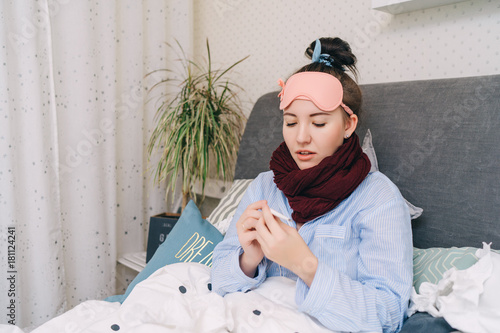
364, 248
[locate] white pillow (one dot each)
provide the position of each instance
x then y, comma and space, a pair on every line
370, 152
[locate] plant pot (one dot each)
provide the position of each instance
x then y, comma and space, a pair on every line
159, 227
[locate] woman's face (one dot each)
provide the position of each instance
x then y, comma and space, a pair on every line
312, 134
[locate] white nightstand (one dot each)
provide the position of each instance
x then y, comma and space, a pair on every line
135, 261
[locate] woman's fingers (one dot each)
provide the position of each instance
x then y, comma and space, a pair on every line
252, 212
249, 222
272, 222
263, 230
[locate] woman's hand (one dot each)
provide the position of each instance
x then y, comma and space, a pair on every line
245, 227
282, 244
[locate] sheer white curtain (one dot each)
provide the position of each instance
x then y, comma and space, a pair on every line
74, 185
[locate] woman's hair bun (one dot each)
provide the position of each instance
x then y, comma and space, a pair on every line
339, 50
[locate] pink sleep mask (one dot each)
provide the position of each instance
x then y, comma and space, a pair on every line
323, 89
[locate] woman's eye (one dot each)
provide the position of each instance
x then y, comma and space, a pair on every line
320, 125
290, 124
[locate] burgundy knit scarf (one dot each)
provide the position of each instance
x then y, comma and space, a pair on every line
315, 191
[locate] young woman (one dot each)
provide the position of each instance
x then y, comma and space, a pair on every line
349, 242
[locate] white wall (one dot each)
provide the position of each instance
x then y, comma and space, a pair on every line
448, 41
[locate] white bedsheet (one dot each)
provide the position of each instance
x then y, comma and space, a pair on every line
177, 298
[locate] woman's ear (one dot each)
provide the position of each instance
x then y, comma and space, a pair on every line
351, 124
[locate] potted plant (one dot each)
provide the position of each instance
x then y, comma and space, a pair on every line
198, 126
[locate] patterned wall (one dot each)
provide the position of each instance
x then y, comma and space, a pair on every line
448, 41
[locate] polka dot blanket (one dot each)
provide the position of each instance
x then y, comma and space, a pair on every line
178, 298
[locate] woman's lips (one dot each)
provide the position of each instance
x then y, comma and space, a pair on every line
305, 155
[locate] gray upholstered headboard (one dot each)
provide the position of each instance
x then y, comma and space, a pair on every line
437, 140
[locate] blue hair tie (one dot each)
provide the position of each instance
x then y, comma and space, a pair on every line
322, 58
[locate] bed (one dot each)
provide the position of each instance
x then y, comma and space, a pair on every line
437, 140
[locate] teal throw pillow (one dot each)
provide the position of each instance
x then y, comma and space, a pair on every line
430, 264
192, 239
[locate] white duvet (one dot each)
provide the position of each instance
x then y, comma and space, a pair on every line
177, 298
